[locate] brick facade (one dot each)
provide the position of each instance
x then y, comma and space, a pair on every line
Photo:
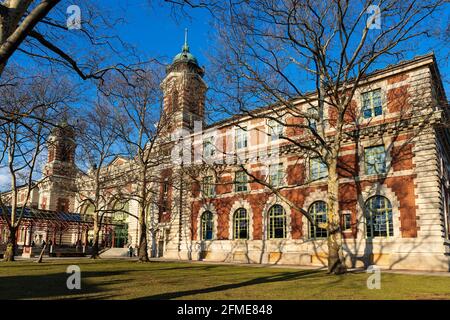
411, 96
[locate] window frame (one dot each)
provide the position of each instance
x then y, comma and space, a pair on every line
272, 228
207, 225
374, 165
344, 221
388, 218
275, 129
208, 145
241, 133
312, 112
237, 228
279, 174
240, 184
371, 106
312, 164
208, 187
313, 230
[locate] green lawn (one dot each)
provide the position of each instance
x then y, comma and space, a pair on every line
121, 279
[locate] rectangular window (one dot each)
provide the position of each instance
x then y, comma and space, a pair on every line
276, 173
372, 106
375, 160
208, 186
317, 169
275, 129
240, 181
312, 115
208, 148
241, 138
346, 221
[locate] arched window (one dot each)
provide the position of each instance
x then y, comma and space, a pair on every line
241, 224
277, 222
207, 225
318, 212
379, 217
121, 210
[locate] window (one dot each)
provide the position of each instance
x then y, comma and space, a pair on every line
379, 217
207, 225
375, 160
241, 138
276, 174
275, 129
165, 186
208, 148
240, 181
208, 186
372, 104
240, 224
346, 221
318, 212
121, 209
317, 169
277, 222
312, 115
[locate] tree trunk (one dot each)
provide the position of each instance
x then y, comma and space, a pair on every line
95, 248
143, 245
336, 263
11, 245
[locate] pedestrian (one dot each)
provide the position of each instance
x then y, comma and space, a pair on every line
130, 251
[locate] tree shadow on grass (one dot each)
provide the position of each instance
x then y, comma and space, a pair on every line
53, 286
280, 277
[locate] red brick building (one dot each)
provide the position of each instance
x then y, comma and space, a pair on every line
394, 186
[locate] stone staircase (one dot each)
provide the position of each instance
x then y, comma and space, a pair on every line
115, 253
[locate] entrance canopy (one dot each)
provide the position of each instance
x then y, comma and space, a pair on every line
54, 219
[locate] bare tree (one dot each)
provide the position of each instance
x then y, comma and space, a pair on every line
141, 126
98, 184
45, 32
28, 104
269, 49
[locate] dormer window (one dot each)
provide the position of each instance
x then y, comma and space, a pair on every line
372, 106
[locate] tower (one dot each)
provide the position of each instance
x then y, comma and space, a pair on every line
57, 189
184, 91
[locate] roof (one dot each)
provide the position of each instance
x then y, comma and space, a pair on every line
185, 55
33, 214
54, 218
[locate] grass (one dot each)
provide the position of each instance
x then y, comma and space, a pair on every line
121, 279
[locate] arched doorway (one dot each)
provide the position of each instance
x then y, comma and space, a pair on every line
120, 233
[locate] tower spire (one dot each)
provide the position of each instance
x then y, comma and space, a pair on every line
185, 46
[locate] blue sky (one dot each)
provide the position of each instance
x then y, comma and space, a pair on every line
157, 34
